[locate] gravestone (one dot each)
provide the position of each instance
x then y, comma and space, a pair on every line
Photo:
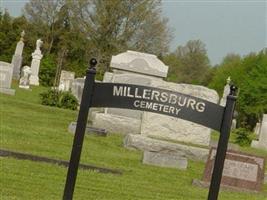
17, 57
226, 91
66, 79
165, 127
24, 81
6, 72
77, 88
241, 171
143, 143
140, 63
35, 64
133, 68
147, 70
262, 142
165, 159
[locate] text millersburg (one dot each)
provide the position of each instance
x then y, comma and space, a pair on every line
160, 101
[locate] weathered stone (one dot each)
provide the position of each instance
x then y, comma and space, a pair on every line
107, 77
89, 129
142, 63
35, 64
148, 144
24, 81
262, 142
66, 80
116, 124
77, 88
240, 170
172, 160
166, 127
226, 92
17, 57
6, 71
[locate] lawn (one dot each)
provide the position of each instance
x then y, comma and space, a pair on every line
26, 126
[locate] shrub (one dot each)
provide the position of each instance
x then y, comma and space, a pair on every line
59, 99
243, 137
67, 100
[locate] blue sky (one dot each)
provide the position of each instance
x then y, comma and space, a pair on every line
225, 26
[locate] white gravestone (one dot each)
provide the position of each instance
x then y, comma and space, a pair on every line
35, 65
226, 92
77, 88
17, 57
6, 72
141, 63
133, 68
262, 142
66, 79
24, 81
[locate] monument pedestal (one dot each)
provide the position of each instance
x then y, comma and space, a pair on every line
16, 61
7, 91
36, 59
34, 80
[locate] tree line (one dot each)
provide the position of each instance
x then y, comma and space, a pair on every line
73, 31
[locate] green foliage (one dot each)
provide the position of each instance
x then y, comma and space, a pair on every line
189, 64
67, 100
47, 71
243, 137
249, 75
59, 99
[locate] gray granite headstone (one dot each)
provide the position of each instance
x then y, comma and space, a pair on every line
6, 72
66, 80
165, 159
141, 63
77, 88
17, 57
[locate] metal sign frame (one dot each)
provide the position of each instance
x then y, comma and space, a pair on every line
152, 100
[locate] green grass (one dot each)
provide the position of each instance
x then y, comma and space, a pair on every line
26, 126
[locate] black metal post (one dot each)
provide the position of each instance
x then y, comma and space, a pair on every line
80, 130
222, 145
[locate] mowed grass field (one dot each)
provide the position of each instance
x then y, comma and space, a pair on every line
28, 127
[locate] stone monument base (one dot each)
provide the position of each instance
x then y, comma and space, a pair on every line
165, 159
89, 129
7, 91
116, 124
34, 80
205, 184
24, 86
144, 143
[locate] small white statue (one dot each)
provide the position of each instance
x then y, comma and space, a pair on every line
25, 76
22, 36
39, 43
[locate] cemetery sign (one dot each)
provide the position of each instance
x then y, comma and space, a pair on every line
151, 100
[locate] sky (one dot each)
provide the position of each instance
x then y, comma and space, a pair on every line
225, 26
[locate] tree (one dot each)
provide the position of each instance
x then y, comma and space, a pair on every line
43, 15
249, 75
114, 26
194, 62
